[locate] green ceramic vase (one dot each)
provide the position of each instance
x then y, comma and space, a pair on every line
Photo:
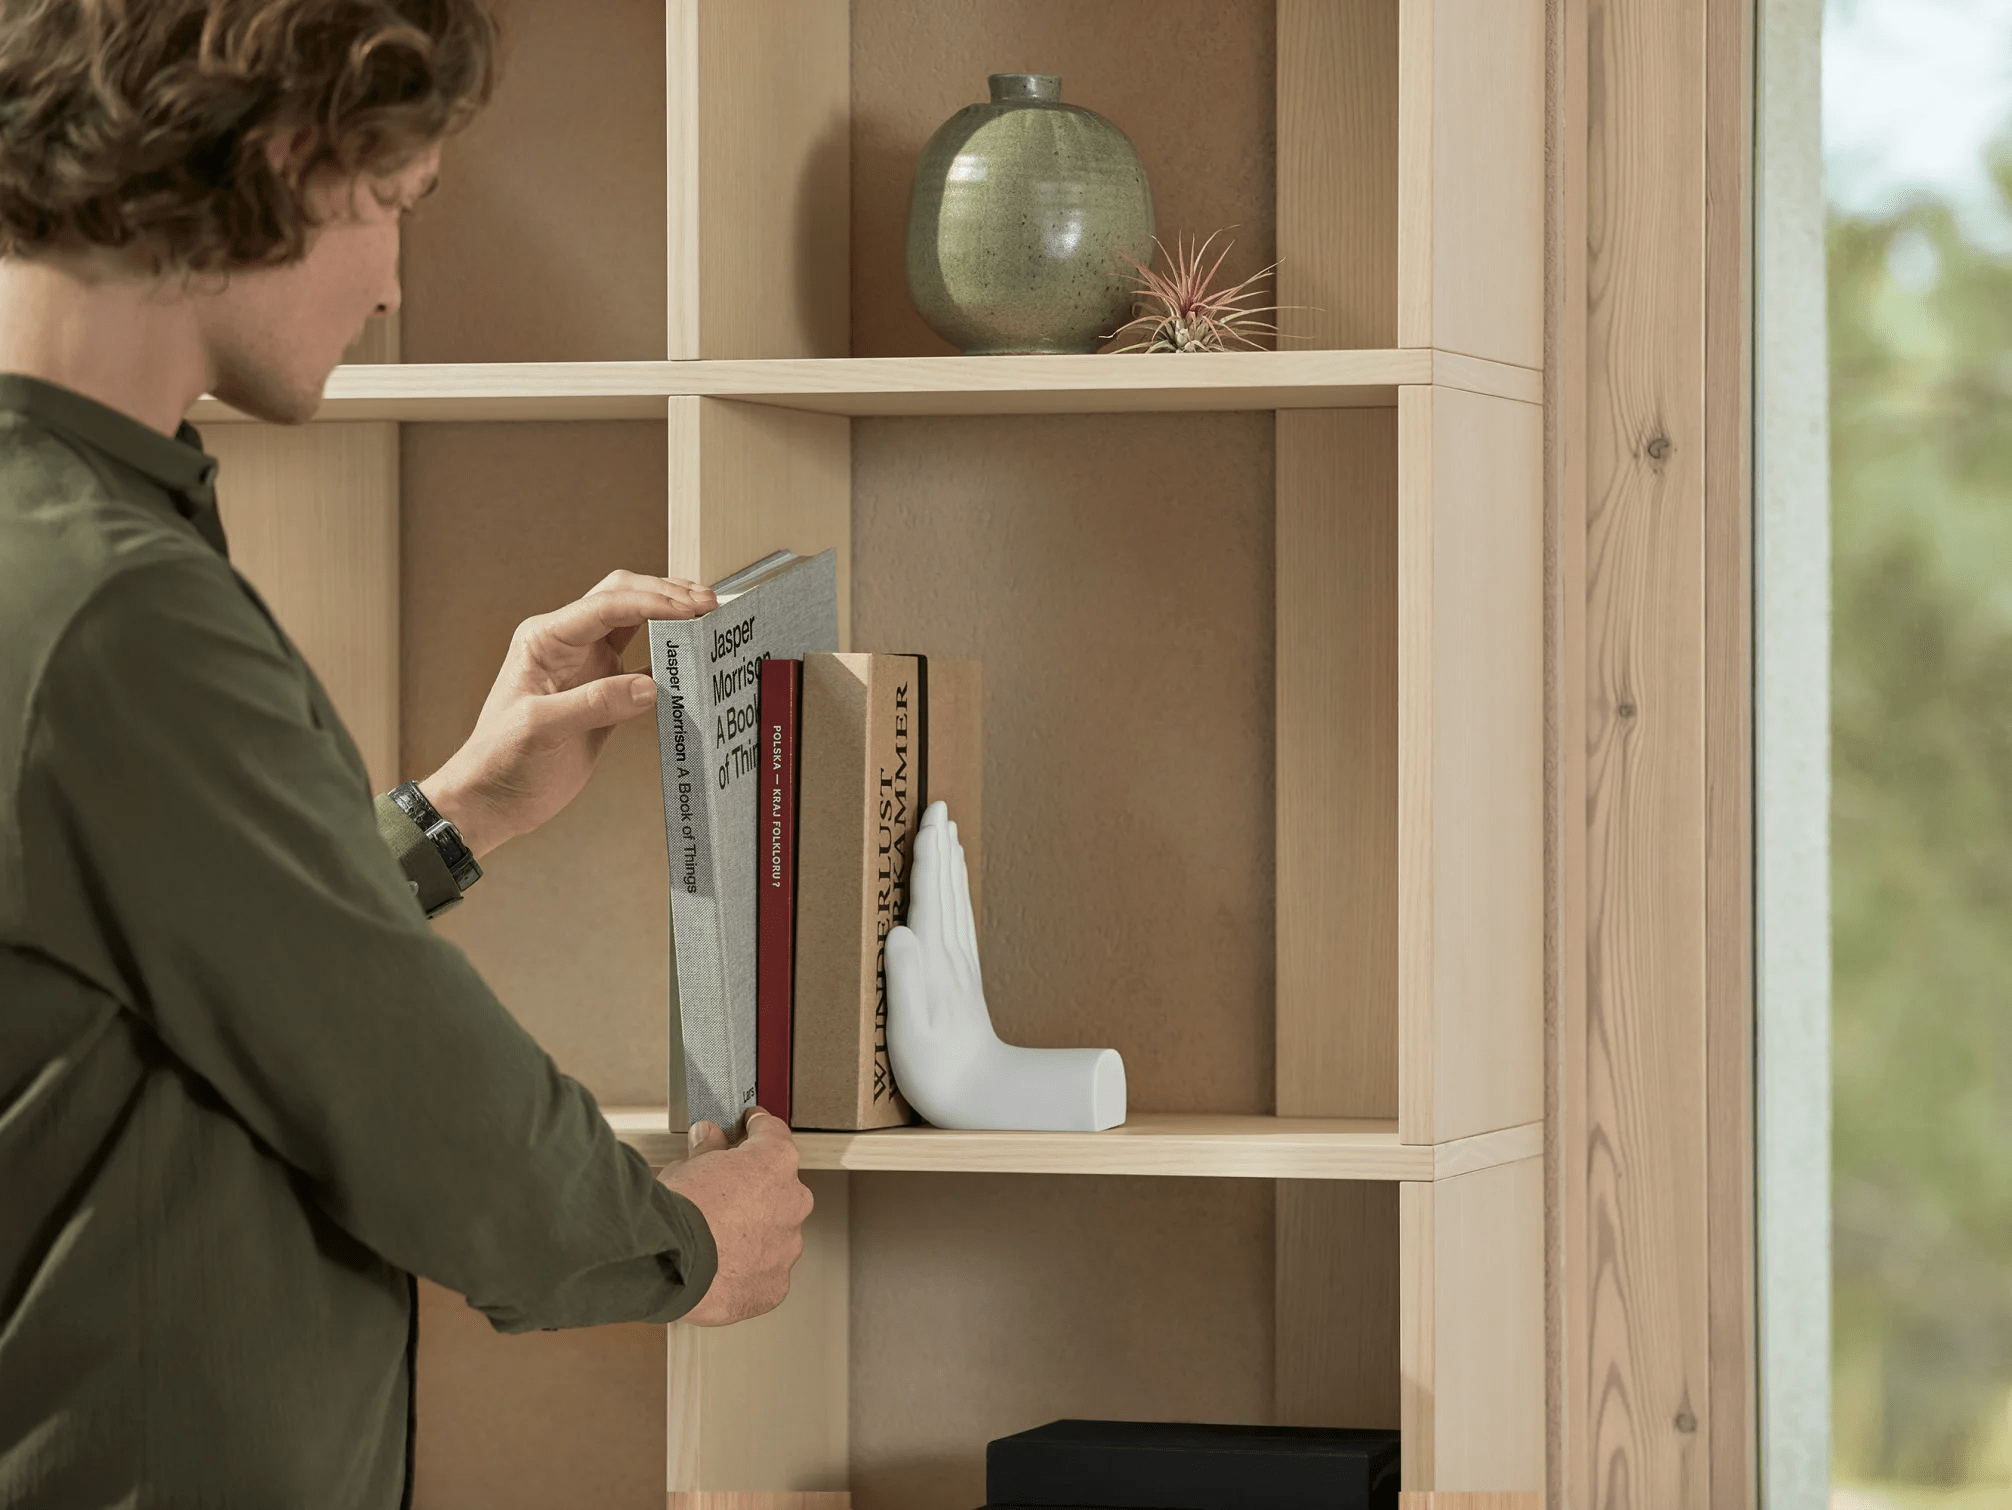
1023, 214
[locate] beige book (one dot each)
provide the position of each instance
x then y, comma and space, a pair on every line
865, 773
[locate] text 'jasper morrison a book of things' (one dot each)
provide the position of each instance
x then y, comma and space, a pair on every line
708, 674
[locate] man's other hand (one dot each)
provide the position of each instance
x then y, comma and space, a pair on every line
561, 689
756, 1206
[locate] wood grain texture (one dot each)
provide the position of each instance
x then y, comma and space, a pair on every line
1729, 748
545, 242
1114, 384
758, 150
1336, 689
1145, 64
983, 1306
746, 481
502, 522
1470, 758
1645, 1381
688, 1500
1149, 1143
1569, 1297
1472, 1500
539, 1419
761, 1405
312, 516
1470, 153
1336, 1294
1337, 173
1472, 1318
1128, 792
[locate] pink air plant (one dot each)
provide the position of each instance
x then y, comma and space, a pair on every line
1181, 310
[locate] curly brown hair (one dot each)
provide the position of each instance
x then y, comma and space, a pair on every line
156, 124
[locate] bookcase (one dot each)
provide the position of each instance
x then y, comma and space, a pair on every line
1265, 735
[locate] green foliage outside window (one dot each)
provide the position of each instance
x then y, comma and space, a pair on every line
1921, 456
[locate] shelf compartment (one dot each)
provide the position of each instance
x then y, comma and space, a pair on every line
1249, 380
1150, 1143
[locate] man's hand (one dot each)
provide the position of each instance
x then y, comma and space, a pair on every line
756, 1206
561, 689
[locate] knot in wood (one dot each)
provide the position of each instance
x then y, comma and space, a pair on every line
1659, 448
1626, 710
1686, 1422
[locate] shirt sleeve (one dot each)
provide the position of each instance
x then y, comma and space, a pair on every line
426, 872
235, 893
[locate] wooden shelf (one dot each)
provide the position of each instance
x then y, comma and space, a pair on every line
907, 385
1150, 1143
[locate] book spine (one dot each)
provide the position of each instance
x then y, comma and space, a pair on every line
702, 1049
775, 858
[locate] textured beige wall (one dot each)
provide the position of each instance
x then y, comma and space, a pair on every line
1114, 574
545, 241
986, 1304
569, 924
1190, 81
539, 1419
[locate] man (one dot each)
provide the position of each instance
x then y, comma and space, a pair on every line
245, 1093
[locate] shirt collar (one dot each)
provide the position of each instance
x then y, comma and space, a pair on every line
178, 465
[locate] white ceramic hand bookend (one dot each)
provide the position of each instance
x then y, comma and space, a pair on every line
947, 1060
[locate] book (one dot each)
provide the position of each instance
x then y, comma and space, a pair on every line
708, 674
879, 738
1178, 1466
775, 862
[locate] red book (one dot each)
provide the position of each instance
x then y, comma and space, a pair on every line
775, 886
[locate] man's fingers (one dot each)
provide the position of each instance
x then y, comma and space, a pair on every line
600, 614
619, 579
705, 1137
599, 704
767, 1131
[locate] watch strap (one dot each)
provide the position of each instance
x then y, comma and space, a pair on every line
445, 838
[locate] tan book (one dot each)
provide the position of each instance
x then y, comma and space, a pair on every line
865, 773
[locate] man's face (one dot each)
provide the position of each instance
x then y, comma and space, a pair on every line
274, 334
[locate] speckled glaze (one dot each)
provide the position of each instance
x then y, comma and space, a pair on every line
1023, 213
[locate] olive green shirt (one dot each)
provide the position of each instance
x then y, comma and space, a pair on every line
245, 1091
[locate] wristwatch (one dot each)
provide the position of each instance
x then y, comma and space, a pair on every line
454, 850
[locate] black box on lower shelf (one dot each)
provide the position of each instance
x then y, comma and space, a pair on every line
1165, 1465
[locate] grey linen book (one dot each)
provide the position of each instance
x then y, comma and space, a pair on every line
708, 674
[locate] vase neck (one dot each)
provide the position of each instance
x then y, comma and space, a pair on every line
1010, 88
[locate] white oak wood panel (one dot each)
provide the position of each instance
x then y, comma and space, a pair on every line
759, 163
1471, 177
1337, 173
1568, 1299
1470, 764
1336, 689
1337, 1304
312, 518
1149, 1143
905, 385
537, 1419
1189, 81
762, 1405
746, 481
545, 241
1643, 1385
1472, 1330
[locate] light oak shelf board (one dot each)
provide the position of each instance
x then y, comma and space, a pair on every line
1150, 1143
1254, 380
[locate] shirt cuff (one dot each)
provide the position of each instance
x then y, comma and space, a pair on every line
695, 1262
432, 883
